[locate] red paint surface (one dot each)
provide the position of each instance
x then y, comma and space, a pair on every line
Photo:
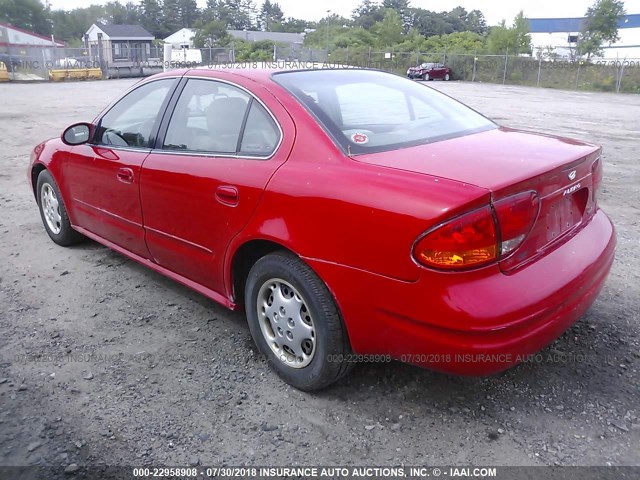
354, 221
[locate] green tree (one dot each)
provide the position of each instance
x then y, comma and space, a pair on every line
522, 36
71, 26
404, 11
295, 25
600, 26
118, 14
270, 16
389, 30
456, 42
189, 12
327, 32
213, 34
28, 14
431, 23
237, 14
514, 40
171, 17
367, 14
211, 11
151, 18
260, 51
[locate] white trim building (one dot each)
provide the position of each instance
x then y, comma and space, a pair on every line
560, 35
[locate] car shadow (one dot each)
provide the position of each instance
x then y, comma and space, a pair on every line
593, 358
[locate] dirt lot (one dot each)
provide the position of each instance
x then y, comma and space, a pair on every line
174, 379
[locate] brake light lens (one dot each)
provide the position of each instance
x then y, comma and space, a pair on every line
516, 216
479, 237
466, 241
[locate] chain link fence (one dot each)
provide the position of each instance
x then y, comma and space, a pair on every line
38, 63
611, 75
25, 63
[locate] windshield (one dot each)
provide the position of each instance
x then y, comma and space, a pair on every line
368, 111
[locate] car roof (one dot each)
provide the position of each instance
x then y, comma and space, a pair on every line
258, 71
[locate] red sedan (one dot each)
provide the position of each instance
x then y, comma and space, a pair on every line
430, 71
409, 227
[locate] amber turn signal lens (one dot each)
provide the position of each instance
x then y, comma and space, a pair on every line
466, 241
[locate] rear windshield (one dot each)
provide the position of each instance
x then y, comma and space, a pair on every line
367, 111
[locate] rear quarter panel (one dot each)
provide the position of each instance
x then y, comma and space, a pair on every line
324, 205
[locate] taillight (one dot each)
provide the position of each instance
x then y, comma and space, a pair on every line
479, 237
516, 216
466, 241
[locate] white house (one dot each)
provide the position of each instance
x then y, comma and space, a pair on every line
183, 38
561, 34
120, 43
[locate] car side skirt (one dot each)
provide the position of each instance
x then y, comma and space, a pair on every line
207, 292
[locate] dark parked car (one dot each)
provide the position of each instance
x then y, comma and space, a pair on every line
430, 71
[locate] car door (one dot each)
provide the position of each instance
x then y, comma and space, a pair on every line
104, 176
214, 157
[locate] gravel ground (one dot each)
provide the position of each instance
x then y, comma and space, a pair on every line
104, 362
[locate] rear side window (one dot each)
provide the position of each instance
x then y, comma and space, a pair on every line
215, 117
367, 111
260, 133
130, 122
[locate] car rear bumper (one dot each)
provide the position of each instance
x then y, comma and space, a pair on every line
474, 323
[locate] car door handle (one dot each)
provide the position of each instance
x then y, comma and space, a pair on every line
227, 195
125, 175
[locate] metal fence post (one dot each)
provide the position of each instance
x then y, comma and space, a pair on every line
103, 67
578, 75
475, 61
539, 70
369, 58
619, 73
506, 60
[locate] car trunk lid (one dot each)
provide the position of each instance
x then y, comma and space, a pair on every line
563, 172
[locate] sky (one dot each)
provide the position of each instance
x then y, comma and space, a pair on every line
494, 10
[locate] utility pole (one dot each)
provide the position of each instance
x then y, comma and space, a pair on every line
327, 30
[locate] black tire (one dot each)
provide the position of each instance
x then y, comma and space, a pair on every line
426, 77
67, 235
329, 360
447, 77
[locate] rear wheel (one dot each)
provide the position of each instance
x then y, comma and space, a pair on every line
295, 322
53, 211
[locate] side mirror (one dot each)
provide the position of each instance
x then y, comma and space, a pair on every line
77, 134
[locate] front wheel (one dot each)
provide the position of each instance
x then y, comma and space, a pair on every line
295, 322
53, 211
447, 77
426, 77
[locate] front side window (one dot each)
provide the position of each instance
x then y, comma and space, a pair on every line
215, 117
130, 122
367, 111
